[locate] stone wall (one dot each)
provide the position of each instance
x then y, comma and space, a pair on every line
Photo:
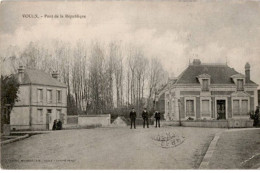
239, 123
20, 118
87, 120
72, 119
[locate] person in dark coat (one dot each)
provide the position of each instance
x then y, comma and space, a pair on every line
145, 118
59, 125
256, 117
133, 117
54, 127
157, 117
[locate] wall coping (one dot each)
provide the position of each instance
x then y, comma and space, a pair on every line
216, 120
101, 115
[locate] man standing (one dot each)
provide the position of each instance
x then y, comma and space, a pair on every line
157, 117
54, 127
59, 125
145, 118
132, 117
256, 117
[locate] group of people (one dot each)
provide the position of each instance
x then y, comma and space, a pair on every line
145, 117
57, 125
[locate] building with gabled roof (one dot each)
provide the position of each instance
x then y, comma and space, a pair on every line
42, 99
209, 91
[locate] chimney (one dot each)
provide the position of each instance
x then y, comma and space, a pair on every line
247, 72
196, 62
55, 74
20, 74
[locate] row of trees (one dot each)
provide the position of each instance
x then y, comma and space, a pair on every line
100, 77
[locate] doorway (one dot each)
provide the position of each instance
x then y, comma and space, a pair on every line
221, 109
49, 119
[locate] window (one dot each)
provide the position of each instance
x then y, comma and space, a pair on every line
240, 84
205, 108
49, 96
49, 111
59, 96
236, 110
240, 107
58, 114
244, 107
40, 116
190, 108
39, 95
205, 85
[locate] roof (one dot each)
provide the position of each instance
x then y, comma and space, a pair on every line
219, 74
238, 76
33, 76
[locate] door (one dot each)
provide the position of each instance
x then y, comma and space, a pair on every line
50, 118
221, 109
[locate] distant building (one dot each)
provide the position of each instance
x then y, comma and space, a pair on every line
42, 99
208, 91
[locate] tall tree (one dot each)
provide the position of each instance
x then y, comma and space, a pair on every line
156, 78
9, 95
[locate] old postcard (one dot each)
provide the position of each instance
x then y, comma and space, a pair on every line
139, 85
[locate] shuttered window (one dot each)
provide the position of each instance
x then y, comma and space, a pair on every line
240, 107
59, 96
205, 84
39, 95
236, 107
205, 108
190, 108
244, 110
49, 96
40, 116
240, 84
58, 114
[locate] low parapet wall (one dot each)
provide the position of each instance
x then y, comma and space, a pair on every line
72, 119
88, 120
232, 123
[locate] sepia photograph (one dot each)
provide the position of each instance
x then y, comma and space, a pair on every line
130, 85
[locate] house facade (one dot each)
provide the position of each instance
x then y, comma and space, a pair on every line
209, 91
42, 99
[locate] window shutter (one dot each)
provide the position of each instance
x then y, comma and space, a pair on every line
236, 107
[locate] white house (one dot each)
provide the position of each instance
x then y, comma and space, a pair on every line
42, 99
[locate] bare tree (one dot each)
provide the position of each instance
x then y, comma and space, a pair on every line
96, 73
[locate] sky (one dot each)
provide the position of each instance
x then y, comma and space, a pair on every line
175, 32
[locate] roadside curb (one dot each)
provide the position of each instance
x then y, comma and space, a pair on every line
15, 139
205, 162
30, 132
241, 129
